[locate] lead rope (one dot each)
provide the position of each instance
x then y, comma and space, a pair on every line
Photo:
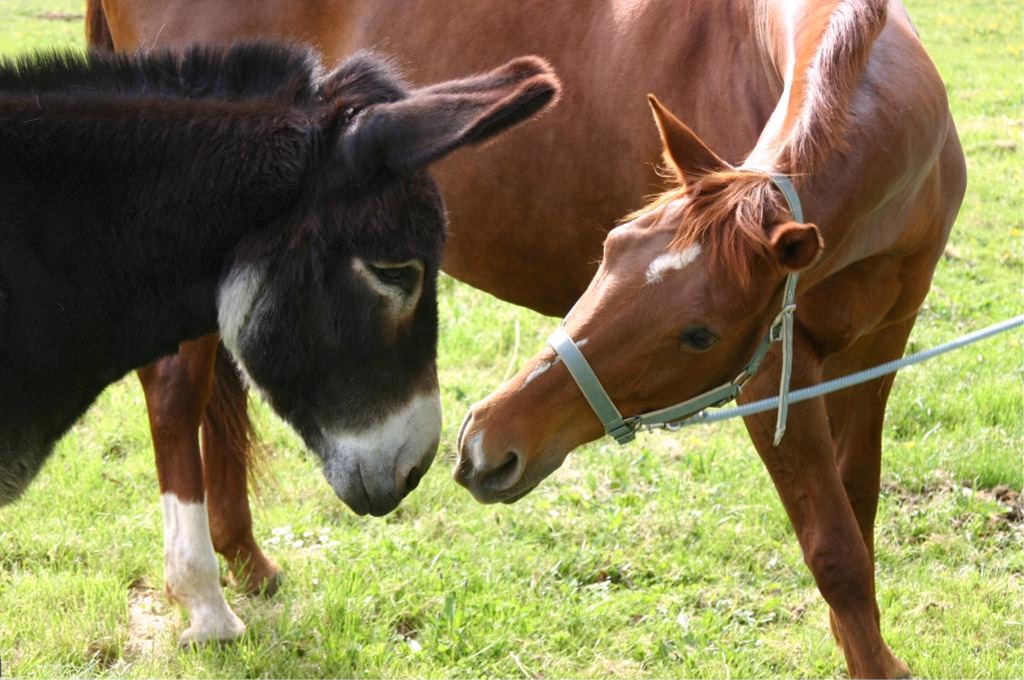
845, 382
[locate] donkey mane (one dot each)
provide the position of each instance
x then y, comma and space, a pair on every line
285, 73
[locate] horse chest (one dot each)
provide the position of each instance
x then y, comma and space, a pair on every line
851, 303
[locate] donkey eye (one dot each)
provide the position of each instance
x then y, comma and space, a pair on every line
403, 275
698, 338
391, 274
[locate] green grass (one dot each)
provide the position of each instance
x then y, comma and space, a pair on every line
671, 557
33, 24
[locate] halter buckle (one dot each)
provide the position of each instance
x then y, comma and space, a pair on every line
624, 432
778, 324
742, 379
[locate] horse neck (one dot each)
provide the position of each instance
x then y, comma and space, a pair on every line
820, 47
830, 122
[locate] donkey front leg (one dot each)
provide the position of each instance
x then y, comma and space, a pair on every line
803, 468
177, 389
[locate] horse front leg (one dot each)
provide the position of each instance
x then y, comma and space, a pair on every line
856, 416
804, 470
227, 453
177, 389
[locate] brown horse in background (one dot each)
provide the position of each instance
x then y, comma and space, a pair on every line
531, 233
527, 233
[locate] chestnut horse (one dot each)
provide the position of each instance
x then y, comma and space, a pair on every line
825, 238
531, 233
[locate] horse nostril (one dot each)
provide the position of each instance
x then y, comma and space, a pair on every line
505, 475
462, 429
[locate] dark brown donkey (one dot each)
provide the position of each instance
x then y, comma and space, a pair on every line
153, 198
530, 233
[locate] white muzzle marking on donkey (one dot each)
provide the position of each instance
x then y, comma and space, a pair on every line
671, 262
191, 573
368, 468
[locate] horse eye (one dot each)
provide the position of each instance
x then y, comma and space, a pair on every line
404, 275
698, 338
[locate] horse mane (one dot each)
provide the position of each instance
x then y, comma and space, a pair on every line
831, 46
726, 214
286, 73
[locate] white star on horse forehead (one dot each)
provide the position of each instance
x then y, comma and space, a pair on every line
671, 262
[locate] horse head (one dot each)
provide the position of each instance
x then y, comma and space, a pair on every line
684, 294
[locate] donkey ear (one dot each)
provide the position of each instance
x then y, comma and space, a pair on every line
432, 122
683, 149
511, 74
796, 246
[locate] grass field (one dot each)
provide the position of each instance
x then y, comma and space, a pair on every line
671, 557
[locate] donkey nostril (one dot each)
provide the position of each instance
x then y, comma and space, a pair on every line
507, 474
412, 480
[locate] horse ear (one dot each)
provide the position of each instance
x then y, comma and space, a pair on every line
796, 246
683, 149
432, 122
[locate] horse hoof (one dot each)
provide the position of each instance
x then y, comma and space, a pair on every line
901, 670
266, 586
263, 581
894, 666
254, 573
203, 632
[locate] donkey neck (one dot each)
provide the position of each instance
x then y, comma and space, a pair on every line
116, 222
154, 193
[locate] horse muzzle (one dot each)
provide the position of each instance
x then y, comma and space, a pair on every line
495, 466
